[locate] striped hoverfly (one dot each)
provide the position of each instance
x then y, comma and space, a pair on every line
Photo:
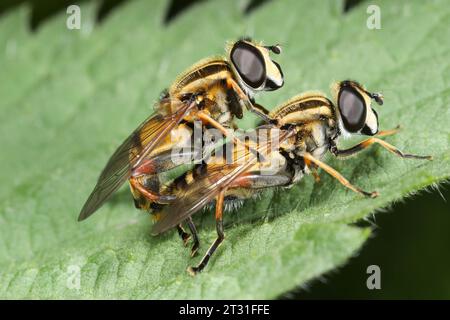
213, 92
308, 126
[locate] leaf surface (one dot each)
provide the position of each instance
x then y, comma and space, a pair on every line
70, 97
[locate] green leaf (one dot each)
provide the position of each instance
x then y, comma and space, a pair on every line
70, 97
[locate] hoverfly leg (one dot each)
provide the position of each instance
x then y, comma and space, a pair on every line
313, 167
220, 236
150, 195
183, 234
394, 150
255, 108
263, 113
370, 141
255, 180
231, 84
147, 166
145, 176
309, 158
194, 233
390, 132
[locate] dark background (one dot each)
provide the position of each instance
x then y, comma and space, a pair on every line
411, 239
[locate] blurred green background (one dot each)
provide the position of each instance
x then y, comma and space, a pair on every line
411, 247
411, 236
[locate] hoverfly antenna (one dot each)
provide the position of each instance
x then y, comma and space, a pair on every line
275, 49
378, 97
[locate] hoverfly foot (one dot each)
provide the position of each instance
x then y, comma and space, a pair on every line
193, 271
374, 194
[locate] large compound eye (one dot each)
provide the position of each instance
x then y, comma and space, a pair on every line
352, 108
249, 63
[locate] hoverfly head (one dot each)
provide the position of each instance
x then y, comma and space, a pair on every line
354, 108
255, 69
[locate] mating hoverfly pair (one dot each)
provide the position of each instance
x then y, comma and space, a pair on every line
214, 92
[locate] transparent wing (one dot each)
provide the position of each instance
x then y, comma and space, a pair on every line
136, 147
204, 189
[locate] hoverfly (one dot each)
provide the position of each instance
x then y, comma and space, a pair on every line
212, 91
309, 125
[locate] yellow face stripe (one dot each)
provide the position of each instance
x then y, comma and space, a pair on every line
272, 71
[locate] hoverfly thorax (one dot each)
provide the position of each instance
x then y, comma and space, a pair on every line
252, 65
354, 108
